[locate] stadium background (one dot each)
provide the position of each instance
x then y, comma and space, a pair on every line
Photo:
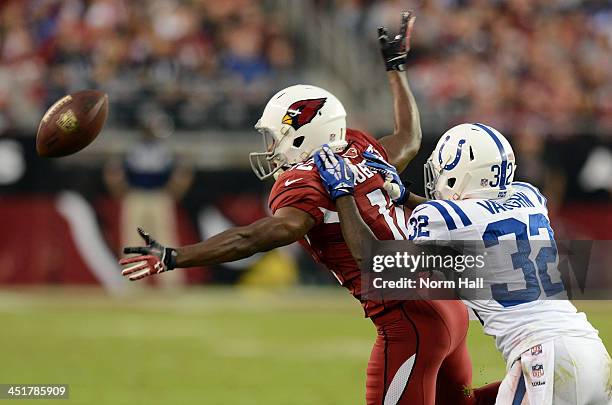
191, 78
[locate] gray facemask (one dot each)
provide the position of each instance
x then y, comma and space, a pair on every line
266, 163
430, 178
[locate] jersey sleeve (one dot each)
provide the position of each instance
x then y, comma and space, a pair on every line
303, 190
428, 224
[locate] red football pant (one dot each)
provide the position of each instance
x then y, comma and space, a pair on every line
420, 357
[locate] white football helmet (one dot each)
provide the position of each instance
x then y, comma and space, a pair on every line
470, 161
297, 121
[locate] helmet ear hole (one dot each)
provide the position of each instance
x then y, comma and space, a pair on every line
297, 142
451, 182
471, 154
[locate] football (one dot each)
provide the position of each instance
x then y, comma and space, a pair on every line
72, 123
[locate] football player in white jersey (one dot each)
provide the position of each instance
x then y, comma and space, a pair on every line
553, 354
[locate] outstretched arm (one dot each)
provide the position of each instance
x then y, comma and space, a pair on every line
403, 145
286, 226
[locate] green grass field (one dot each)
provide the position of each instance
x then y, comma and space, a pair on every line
206, 346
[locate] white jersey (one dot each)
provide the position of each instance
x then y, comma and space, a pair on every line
517, 318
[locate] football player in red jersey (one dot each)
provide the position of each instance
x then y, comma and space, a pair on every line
295, 123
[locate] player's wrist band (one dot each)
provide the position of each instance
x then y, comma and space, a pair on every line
398, 67
170, 259
343, 192
403, 200
396, 62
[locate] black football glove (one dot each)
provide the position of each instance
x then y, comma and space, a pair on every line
394, 50
152, 259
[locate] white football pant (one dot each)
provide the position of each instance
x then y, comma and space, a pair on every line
565, 371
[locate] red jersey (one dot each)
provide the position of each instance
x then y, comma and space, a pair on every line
300, 187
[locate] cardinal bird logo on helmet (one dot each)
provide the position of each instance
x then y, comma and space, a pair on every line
302, 112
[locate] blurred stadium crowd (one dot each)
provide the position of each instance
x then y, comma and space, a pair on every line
207, 63
540, 65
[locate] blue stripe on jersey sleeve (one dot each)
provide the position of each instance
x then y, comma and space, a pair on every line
450, 224
464, 218
532, 188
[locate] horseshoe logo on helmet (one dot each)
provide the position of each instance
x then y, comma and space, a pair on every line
455, 162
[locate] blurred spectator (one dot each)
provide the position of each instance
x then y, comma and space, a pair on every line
513, 64
212, 64
195, 59
149, 182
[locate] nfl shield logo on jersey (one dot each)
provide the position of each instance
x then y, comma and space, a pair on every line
537, 370
535, 350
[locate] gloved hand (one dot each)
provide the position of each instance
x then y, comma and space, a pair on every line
336, 175
393, 184
394, 50
152, 258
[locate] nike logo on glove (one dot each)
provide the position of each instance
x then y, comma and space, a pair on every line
290, 182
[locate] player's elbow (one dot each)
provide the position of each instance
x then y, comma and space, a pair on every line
403, 156
283, 233
411, 151
412, 137
262, 237
405, 147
